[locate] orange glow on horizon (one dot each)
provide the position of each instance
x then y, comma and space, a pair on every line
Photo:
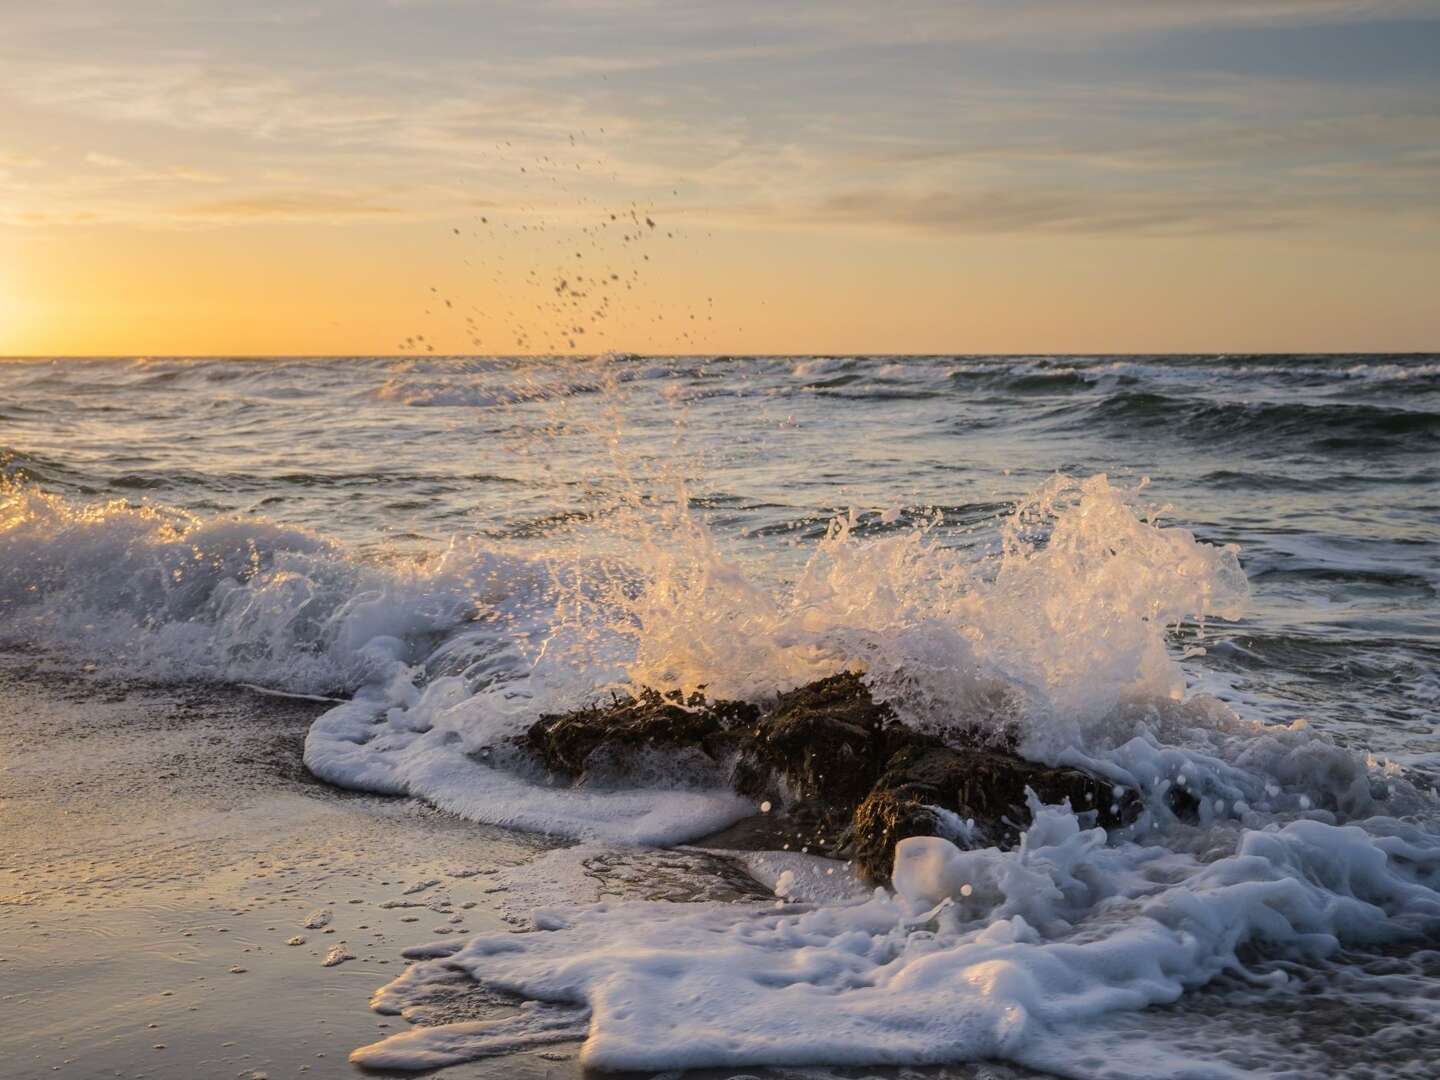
363, 290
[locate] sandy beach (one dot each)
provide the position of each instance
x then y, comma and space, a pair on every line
161, 846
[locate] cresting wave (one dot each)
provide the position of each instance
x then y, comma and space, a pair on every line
1332, 426
1064, 635
156, 593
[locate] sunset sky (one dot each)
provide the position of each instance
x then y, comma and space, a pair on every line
289, 177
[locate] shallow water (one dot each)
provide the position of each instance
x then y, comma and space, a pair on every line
1323, 469
449, 545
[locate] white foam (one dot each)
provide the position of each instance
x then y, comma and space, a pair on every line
372, 746
1049, 937
155, 592
1062, 625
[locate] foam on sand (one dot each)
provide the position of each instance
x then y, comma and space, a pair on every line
983, 954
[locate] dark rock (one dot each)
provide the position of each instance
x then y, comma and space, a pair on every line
842, 774
568, 742
880, 822
828, 740
985, 787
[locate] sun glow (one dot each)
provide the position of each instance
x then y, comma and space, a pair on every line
9, 309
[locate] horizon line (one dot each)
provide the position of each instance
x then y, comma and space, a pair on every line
626, 353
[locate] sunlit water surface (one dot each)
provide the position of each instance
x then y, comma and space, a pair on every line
460, 540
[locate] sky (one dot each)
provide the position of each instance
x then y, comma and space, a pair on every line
201, 177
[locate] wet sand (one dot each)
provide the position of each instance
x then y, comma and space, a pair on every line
160, 845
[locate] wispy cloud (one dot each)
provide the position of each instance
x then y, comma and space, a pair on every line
956, 116
290, 206
997, 212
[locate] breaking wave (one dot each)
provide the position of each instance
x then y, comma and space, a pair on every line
1081, 624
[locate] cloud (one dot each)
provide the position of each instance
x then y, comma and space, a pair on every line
289, 206
1056, 211
1060, 211
840, 113
130, 172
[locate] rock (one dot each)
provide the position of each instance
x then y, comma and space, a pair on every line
882, 821
984, 787
570, 742
846, 777
828, 740
338, 954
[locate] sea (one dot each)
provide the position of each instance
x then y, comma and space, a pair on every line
1215, 572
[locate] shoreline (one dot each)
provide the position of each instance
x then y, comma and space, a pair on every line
155, 838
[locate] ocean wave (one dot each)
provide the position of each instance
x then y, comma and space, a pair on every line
452, 393
1324, 425
1066, 375
822, 366
17, 466
155, 593
490, 383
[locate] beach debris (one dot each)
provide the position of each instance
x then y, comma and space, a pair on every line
317, 919
338, 954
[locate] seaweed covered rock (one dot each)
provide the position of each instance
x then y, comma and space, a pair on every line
571, 743
880, 822
976, 794
827, 740
839, 773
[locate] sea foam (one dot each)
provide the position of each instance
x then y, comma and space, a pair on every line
981, 954
1066, 634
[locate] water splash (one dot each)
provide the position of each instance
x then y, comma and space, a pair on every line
1067, 621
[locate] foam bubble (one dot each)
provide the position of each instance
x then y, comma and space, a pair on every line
1055, 934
